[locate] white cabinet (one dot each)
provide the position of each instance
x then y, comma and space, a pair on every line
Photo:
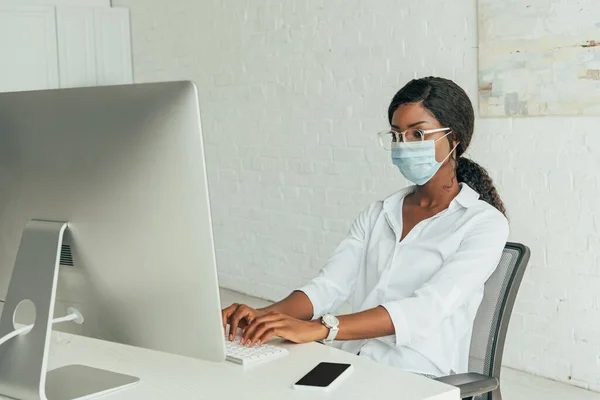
94, 46
78, 3
28, 51
44, 47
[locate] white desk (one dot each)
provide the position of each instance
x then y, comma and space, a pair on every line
164, 376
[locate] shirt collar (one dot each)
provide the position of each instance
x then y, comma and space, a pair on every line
466, 198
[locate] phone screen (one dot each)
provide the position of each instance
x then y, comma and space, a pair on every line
323, 374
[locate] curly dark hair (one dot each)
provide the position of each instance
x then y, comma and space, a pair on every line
451, 106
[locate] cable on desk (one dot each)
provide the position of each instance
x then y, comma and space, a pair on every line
74, 315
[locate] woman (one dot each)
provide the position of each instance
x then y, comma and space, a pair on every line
414, 264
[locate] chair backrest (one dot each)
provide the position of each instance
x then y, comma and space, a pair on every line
493, 316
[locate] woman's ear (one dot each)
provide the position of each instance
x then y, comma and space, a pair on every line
455, 141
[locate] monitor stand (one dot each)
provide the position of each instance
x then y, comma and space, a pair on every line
24, 359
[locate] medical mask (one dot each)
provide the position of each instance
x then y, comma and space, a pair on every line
416, 160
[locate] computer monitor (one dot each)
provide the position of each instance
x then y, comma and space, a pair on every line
124, 166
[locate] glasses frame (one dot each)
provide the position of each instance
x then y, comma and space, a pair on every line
399, 135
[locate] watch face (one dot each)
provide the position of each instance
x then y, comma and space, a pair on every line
331, 320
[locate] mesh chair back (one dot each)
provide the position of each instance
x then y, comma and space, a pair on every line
493, 315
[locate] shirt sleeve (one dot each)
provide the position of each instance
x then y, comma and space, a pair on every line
337, 280
460, 278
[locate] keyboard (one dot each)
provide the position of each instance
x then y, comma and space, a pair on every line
244, 355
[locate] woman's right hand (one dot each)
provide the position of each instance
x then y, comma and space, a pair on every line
238, 316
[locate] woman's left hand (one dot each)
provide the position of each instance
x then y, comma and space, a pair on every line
276, 324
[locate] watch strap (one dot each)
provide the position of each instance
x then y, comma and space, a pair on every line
332, 334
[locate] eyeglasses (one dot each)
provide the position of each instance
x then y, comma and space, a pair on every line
389, 139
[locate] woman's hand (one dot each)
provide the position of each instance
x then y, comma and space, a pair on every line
238, 316
263, 328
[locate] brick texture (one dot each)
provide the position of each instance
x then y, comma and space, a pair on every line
292, 93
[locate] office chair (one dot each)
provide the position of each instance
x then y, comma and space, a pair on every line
482, 382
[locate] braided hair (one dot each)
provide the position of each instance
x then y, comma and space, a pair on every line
451, 106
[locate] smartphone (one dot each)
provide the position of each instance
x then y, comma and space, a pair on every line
325, 376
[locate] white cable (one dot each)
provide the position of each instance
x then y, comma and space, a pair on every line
74, 315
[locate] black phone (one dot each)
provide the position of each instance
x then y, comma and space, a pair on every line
324, 376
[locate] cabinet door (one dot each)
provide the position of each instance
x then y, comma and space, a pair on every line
76, 46
28, 50
78, 3
113, 46
94, 46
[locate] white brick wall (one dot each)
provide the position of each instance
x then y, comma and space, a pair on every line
292, 93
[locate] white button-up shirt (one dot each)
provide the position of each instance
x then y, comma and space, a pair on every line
431, 283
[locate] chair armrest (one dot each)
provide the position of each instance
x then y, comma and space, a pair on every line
470, 384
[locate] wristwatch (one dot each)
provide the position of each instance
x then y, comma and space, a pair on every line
331, 322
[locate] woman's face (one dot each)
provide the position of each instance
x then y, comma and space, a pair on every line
415, 116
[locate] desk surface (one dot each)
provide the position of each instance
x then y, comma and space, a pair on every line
165, 376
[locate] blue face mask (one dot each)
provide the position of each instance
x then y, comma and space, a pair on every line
416, 160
